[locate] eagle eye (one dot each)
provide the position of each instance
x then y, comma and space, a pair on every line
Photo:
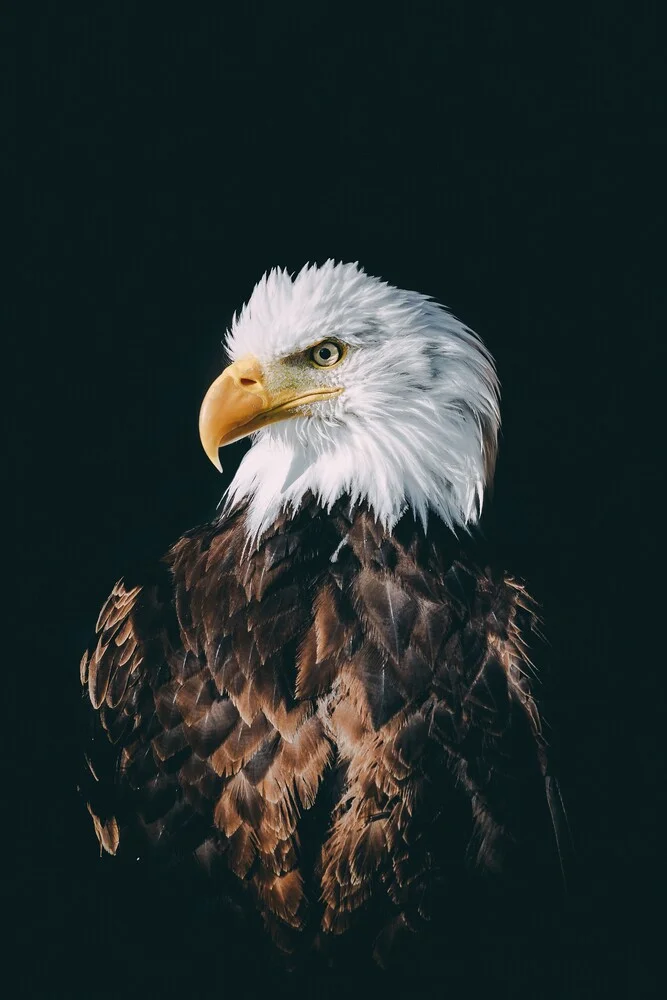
326, 354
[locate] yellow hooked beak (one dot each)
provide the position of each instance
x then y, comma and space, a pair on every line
239, 403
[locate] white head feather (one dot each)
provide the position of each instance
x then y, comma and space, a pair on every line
416, 425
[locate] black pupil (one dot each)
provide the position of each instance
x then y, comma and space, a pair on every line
325, 353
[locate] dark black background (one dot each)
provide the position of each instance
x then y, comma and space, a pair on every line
508, 162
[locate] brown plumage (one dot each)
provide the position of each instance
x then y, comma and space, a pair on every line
327, 720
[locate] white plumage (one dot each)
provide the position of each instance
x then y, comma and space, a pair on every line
416, 424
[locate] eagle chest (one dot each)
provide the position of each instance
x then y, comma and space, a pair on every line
310, 656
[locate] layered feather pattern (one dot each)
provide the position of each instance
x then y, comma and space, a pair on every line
329, 720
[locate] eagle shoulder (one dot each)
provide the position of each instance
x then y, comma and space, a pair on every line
118, 673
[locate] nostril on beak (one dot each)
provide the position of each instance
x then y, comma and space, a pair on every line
247, 381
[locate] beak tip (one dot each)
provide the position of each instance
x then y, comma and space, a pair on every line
214, 458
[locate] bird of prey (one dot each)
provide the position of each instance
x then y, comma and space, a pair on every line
323, 694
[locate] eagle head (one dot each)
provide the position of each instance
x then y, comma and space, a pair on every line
351, 386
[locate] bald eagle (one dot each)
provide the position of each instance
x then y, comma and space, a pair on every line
323, 695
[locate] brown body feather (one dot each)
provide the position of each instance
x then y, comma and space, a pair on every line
378, 676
